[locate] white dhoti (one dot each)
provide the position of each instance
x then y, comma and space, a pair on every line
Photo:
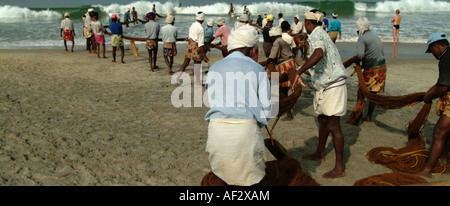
237, 153
332, 101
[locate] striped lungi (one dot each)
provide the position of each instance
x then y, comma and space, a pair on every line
375, 77
286, 67
236, 150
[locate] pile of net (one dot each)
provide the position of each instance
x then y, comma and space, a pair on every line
404, 161
285, 171
390, 179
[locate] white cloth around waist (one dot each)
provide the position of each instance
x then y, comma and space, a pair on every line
237, 153
331, 101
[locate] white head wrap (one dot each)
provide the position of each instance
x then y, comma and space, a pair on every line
220, 21
244, 36
362, 25
275, 31
244, 18
317, 16
335, 15
91, 10
200, 16
210, 22
170, 19
66, 14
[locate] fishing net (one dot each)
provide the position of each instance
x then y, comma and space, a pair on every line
285, 171
409, 159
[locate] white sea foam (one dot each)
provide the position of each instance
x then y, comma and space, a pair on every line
404, 6
222, 8
15, 12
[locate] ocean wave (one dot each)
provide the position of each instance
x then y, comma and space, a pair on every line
404, 6
15, 12
221, 8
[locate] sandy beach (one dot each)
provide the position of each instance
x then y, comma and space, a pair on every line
73, 119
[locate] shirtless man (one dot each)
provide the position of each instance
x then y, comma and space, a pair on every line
396, 27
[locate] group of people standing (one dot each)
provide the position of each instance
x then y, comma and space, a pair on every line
240, 160
94, 33
235, 144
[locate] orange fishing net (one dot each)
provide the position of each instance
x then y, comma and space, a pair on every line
409, 159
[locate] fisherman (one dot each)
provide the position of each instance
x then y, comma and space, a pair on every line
223, 33
235, 143
87, 31
335, 28
127, 17
370, 52
330, 98
438, 45
99, 34
116, 38
152, 30
267, 43
169, 37
134, 14
195, 49
68, 30
282, 56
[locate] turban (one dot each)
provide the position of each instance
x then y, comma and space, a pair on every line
362, 25
220, 21
269, 17
66, 14
244, 18
170, 19
91, 10
335, 15
315, 16
151, 15
210, 22
113, 16
244, 36
275, 31
200, 16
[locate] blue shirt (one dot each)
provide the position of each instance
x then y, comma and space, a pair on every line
127, 15
209, 32
238, 88
265, 33
335, 25
116, 28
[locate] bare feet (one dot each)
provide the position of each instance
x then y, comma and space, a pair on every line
315, 157
113, 61
105, 57
336, 173
122, 62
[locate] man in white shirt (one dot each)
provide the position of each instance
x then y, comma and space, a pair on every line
195, 49
328, 78
67, 29
169, 37
280, 19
